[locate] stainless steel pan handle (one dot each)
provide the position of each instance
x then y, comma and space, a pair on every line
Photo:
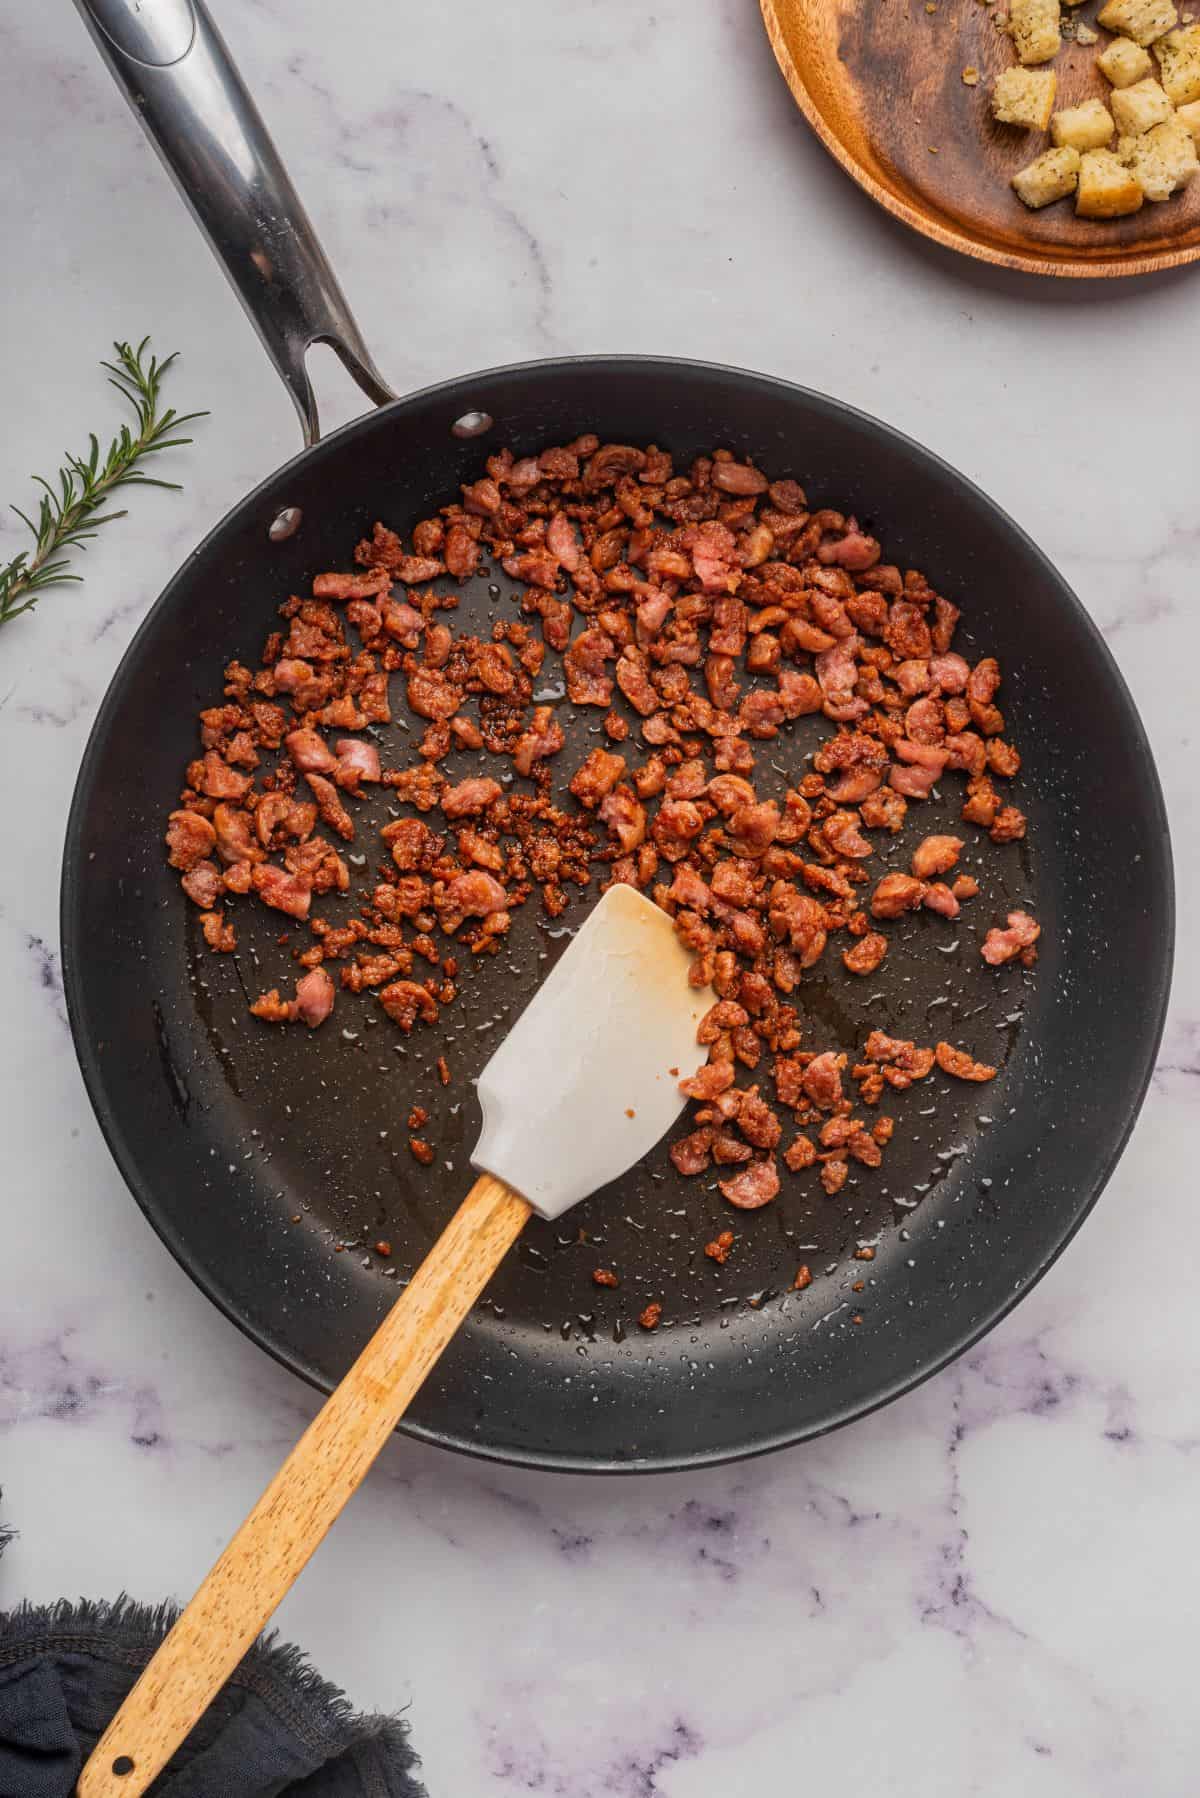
169, 60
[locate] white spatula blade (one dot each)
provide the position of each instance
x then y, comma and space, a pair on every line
587, 1081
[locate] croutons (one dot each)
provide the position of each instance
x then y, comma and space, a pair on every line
1034, 28
1189, 115
1142, 20
1024, 97
1139, 108
1161, 160
1179, 60
1125, 62
1106, 190
1050, 176
1086, 127
1156, 149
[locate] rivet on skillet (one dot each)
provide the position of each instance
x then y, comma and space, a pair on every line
285, 524
472, 424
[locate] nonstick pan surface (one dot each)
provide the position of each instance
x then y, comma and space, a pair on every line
271, 1161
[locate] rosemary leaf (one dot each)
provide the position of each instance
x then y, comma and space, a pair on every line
70, 508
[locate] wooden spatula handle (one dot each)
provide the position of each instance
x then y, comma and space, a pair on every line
325, 1468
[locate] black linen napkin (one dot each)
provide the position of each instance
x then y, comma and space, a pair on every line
276, 1728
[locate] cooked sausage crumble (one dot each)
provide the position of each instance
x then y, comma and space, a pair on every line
699, 613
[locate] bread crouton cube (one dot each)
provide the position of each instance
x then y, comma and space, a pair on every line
1024, 97
1162, 160
1034, 28
1142, 20
1125, 62
1107, 189
1189, 115
1179, 61
1050, 176
1086, 127
1139, 108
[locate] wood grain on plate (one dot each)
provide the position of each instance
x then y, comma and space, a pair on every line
880, 81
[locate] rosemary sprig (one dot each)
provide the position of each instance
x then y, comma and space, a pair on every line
70, 509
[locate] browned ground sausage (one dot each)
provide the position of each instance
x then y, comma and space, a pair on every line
705, 611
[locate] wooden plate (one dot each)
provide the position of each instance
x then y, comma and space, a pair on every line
880, 82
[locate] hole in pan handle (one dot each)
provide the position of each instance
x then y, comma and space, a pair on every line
171, 63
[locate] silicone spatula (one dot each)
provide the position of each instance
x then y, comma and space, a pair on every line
583, 1087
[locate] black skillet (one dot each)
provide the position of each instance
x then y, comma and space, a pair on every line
271, 1162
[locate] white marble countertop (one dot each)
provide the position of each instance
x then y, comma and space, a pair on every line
990, 1588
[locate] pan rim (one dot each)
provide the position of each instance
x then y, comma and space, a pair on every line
1162, 894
